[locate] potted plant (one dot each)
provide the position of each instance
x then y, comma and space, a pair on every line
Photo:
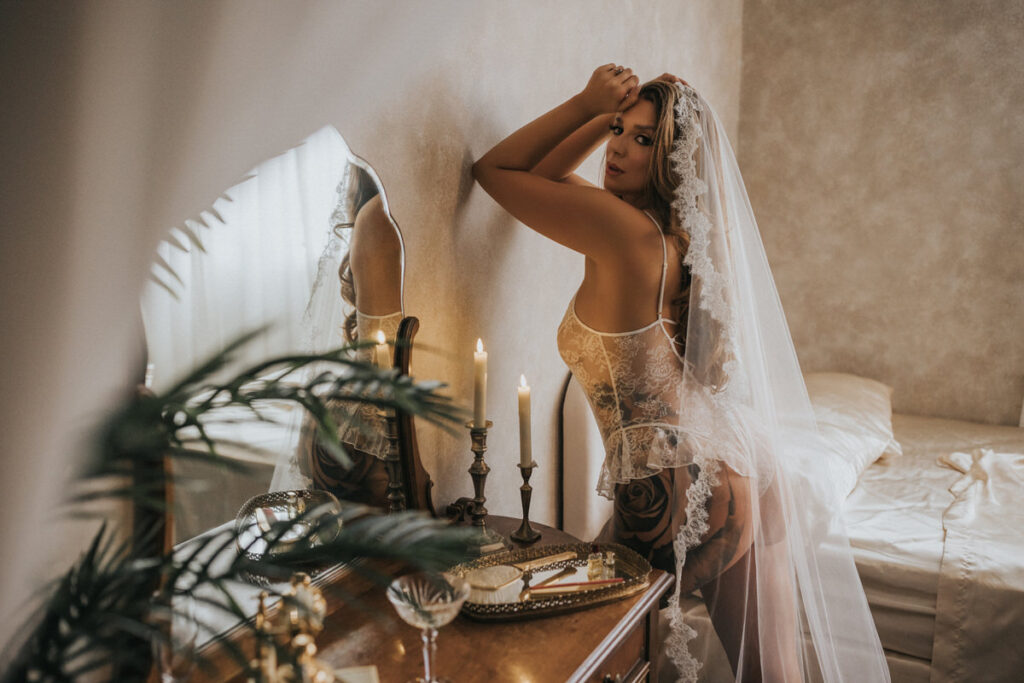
100, 618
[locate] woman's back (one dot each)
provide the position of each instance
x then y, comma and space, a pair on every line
631, 379
621, 293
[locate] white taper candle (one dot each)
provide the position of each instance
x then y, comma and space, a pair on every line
381, 357
480, 386
525, 446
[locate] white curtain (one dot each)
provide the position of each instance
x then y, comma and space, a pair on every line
262, 240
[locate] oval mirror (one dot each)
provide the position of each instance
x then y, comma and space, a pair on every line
304, 246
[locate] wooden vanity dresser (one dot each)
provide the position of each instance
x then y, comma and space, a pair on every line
612, 643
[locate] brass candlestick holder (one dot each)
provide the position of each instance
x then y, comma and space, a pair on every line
291, 630
525, 533
484, 540
393, 463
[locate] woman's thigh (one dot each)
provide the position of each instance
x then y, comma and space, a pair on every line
364, 481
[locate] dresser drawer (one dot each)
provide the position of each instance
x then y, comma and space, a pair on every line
628, 662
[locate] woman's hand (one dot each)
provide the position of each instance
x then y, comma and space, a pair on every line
669, 78
611, 88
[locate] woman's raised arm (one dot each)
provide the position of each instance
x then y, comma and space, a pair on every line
563, 160
585, 219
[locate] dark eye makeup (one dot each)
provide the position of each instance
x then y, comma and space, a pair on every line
641, 139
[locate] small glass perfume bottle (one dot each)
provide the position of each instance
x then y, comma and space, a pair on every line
595, 565
296, 506
609, 565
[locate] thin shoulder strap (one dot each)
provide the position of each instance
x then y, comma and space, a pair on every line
664, 265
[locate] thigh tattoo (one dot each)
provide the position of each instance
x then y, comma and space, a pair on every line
648, 514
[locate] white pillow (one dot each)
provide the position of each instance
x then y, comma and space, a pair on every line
854, 415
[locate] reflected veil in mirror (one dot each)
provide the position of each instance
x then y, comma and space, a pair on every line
356, 299
304, 246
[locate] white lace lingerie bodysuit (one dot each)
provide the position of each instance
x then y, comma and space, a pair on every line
632, 381
366, 431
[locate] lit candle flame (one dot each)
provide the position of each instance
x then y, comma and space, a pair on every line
522, 380
381, 339
479, 345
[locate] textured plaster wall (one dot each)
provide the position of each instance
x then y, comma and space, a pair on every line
123, 118
882, 142
475, 271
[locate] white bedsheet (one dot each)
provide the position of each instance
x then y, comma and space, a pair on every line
980, 609
895, 518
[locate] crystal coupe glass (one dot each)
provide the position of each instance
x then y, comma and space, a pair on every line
428, 602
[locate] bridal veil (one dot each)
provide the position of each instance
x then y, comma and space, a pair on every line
802, 613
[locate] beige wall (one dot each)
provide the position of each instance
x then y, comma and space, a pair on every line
882, 143
121, 119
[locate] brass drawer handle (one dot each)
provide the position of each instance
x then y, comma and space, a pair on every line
637, 674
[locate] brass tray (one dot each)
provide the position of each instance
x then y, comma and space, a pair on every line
630, 566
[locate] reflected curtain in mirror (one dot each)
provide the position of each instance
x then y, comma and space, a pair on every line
247, 262
250, 261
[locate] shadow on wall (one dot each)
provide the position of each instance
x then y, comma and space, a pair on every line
436, 213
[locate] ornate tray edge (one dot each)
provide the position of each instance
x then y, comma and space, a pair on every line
639, 568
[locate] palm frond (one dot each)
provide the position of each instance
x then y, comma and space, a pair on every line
98, 614
81, 626
173, 241
159, 282
174, 422
160, 262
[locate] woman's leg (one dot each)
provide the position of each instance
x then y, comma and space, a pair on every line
731, 601
758, 627
648, 515
650, 512
729, 534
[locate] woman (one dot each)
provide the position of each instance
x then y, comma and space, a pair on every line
370, 278
678, 339
371, 286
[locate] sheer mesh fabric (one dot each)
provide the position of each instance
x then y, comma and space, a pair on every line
631, 380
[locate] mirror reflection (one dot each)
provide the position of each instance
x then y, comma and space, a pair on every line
304, 246
367, 245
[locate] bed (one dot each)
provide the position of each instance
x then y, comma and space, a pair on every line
938, 539
937, 532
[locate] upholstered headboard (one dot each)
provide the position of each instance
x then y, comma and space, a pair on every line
583, 512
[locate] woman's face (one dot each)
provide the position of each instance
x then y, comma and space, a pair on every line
629, 150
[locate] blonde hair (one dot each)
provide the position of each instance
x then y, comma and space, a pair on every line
658, 194
348, 295
659, 191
